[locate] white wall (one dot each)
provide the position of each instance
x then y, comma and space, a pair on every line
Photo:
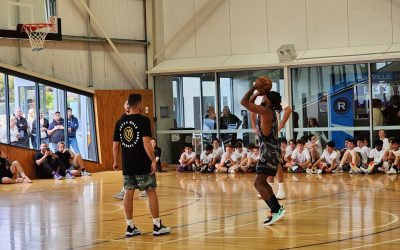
69, 60
317, 28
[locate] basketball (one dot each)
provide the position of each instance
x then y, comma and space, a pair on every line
264, 84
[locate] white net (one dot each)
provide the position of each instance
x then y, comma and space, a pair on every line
37, 35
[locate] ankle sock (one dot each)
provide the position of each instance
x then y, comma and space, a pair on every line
130, 223
157, 222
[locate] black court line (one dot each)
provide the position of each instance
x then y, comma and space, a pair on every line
346, 239
218, 218
233, 215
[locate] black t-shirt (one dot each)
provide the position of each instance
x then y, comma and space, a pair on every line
39, 156
129, 131
64, 158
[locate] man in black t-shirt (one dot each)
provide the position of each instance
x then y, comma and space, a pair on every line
49, 165
132, 132
77, 166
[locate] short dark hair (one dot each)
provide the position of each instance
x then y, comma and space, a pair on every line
351, 140
275, 99
215, 139
282, 140
188, 145
331, 144
228, 145
301, 141
209, 147
134, 99
57, 112
251, 145
238, 145
69, 108
378, 143
395, 140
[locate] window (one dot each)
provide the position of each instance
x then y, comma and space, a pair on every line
332, 102
32, 113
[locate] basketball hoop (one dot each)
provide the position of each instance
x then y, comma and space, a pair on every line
37, 33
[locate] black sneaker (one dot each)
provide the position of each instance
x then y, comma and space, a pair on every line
132, 231
161, 230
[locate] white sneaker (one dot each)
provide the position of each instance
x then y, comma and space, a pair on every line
161, 230
280, 195
319, 171
143, 194
309, 171
392, 171
339, 169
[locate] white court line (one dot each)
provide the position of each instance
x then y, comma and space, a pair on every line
242, 225
396, 219
370, 245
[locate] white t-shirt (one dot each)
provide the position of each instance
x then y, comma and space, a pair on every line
364, 151
386, 145
206, 158
185, 156
376, 155
254, 156
288, 151
240, 155
232, 158
301, 157
329, 157
217, 153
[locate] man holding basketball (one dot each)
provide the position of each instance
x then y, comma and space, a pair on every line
270, 155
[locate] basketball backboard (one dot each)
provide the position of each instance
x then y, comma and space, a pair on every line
14, 12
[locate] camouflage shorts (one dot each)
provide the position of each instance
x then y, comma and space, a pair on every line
141, 182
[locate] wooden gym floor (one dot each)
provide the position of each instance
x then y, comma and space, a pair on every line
207, 211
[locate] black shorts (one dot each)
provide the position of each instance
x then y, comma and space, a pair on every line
4, 172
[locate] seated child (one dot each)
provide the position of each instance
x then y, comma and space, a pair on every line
228, 160
187, 159
206, 158
375, 158
328, 160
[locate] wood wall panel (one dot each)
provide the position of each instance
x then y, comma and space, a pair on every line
109, 104
109, 108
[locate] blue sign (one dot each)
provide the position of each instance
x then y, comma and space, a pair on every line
342, 114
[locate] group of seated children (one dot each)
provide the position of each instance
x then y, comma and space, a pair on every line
303, 155
214, 159
356, 157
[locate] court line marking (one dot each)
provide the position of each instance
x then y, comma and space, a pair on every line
242, 225
396, 219
370, 245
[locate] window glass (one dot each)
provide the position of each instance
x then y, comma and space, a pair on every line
385, 78
332, 102
80, 125
53, 108
3, 119
22, 110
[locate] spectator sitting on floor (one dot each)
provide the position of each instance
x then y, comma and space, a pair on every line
206, 158
375, 158
49, 165
351, 159
301, 159
217, 151
252, 159
77, 166
9, 171
228, 160
328, 160
187, 160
